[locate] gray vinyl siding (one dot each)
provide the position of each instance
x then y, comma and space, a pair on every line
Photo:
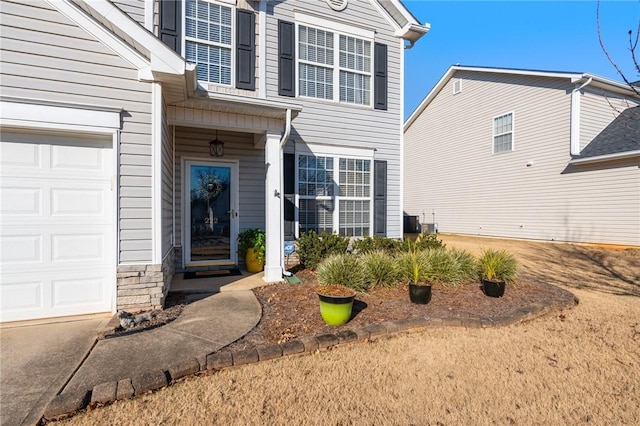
133, 8
450, 170
344, 125
597, 110
193, 143
44, 56
167, 184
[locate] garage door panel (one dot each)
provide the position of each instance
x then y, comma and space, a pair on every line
78, 201
78, 248
78, 292
20, 201
21, 296
22, 155
65, 158
20, 249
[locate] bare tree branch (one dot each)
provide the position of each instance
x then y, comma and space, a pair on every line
632, 47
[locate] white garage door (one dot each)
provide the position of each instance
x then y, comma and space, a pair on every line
56, 226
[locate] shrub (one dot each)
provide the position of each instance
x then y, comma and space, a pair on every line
424, 241
379, 268
441, 266
342, 269
497, 265
412, 266
467, 264
369, 244
313, 248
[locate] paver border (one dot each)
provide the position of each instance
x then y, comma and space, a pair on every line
67, 404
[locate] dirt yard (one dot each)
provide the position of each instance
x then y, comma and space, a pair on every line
578, 367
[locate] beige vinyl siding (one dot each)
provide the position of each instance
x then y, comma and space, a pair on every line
46, 57
597, 110
345, 125
450, 169
133, 8
193, 143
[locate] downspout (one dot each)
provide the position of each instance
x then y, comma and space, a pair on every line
575, 117
283, 141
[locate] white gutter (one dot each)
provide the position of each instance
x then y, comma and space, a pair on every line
575, 117
608, 157
283, 141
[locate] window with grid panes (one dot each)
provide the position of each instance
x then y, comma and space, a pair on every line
355, 70
503, 133
315, 63
208, 40
315, 189
318, 200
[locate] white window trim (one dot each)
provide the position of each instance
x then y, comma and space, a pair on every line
336, 153
513, 133
226, 3
337, 29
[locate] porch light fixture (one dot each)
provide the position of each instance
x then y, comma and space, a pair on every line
216, 147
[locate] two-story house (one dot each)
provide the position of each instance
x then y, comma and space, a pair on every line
139, 137
528, 154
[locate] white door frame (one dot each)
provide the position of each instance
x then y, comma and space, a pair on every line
186, 210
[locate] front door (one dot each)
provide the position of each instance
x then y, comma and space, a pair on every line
211, 213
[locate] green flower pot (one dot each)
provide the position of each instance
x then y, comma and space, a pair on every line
336, 310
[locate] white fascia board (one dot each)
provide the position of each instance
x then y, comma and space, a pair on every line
106, 37
413, 32
610, 85
609, 157
405, 12
163, 59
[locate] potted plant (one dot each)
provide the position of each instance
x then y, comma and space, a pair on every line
495, 269
251, 246
339, 277
412, 267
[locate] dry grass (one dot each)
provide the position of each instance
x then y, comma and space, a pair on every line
576, 367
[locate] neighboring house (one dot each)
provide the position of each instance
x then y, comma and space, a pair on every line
526, 154
123, 163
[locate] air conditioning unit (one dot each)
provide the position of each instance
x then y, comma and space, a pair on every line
412, 225
430, 228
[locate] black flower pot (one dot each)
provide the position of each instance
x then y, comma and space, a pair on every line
420, 294
493, 288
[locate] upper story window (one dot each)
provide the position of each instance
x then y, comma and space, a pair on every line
326, 57
503, 133
355, 70
208, 40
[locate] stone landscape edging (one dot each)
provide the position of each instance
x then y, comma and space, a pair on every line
68, 403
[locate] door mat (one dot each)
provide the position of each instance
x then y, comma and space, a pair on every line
292, 279
212, 274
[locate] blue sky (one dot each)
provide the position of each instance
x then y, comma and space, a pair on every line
544, 35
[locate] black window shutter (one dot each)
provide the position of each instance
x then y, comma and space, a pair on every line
286, 58
171, 23
289, 196
246, 50
380, 76
380, 198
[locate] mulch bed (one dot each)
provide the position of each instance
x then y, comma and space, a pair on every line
290, 311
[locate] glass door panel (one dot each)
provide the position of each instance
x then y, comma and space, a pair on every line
211, 234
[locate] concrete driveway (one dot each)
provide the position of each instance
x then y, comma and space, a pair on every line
37, 361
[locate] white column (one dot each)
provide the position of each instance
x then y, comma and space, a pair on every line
273, 212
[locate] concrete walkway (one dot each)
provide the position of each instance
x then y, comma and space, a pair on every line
42, 361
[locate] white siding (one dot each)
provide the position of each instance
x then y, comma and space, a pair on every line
597, 110
167, 184
331, 123
133, 8
44, 56
450, 169
194, 143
